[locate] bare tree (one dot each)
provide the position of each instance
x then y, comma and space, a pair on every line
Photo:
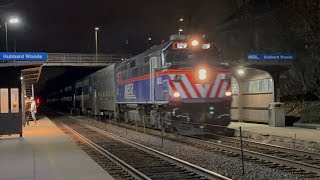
303, 19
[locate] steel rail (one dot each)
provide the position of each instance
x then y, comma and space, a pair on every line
273, 147
189, 166
261, 156
132, 171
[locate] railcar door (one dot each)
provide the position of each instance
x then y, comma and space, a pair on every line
82, 102
154, 64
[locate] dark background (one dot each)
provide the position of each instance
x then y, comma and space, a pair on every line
68, 26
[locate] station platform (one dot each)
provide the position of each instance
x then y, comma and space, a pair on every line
45, 153
308, 137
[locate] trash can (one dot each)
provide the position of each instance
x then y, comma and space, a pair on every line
276, 114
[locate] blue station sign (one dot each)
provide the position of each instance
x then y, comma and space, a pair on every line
23, 56
271, 57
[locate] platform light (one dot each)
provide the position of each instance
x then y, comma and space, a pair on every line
180, 30
195, 43
14, 20
21, 77
202, 74
176, 94
228, 93
241, 72
96, 28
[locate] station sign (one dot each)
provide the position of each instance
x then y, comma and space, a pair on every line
271, 57
23, 56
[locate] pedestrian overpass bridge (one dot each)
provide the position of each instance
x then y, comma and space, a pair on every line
57, 64
68, 59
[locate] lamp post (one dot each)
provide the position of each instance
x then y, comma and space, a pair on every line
96, 37
13, 20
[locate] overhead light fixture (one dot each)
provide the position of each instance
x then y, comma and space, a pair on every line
240, 72
14, 20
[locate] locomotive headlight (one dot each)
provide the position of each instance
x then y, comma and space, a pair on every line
202, 74
228, 93
205, 46
176, 94
195, 43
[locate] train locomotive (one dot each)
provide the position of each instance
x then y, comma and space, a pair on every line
179, 85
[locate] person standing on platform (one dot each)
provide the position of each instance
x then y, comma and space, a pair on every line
27, 111
33, 110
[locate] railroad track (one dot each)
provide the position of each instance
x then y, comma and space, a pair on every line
268, 157
130, 159
304, 164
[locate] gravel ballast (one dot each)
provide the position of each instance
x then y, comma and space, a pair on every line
227, 166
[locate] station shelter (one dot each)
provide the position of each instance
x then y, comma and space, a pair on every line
11, 108
255, 86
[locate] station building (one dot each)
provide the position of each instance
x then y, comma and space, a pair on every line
253, 91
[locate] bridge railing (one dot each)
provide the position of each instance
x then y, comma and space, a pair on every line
83, 58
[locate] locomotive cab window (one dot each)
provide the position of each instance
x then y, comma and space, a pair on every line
188, 56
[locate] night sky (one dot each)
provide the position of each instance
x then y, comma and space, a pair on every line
68, 26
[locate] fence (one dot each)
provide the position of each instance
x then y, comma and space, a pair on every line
310, 115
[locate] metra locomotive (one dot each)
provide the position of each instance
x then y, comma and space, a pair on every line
179, 85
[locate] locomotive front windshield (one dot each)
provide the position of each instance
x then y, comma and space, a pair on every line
190, 57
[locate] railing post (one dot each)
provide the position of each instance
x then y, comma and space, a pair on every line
135, 121
241, 146
162, 131
294, 141
144, 126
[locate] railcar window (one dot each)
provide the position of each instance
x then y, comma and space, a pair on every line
132, 64
134, 72
124, 75
123, 68
146, 59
